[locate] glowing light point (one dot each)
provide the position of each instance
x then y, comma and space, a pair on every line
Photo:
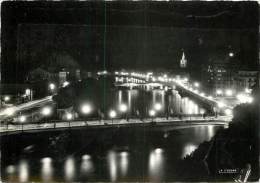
158, 106
85, 109
112, 114
52, 86
231, 54
229, 92
22, 119
158, 150
219, 92
69, 116
123, 108
228, 112
46, 111
152, 113
221, 104
196, 84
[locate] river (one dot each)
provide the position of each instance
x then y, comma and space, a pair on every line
111, 154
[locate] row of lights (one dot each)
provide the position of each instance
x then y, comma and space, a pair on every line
86, 109
52, 86
157, 107
228, 92
27, 93
220, 104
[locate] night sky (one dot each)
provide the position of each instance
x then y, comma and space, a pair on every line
130, 35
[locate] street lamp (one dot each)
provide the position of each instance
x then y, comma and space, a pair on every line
22, 119
52, 86
112, 115
46, 111
228, 112
123, 109
219, 92
202, 112
157, 106
6, 98
85, 109
69, 117
196, 84
221, 104
231, 54
229, 92
152, 113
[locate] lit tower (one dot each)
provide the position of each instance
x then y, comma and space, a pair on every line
183, 61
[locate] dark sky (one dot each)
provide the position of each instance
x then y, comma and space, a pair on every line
142, 35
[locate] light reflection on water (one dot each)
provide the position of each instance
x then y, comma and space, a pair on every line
156, 164
69, 169
87, 166
46, 169
118, 163
210, 131
124, 163
10, 171
23, 170
112, 163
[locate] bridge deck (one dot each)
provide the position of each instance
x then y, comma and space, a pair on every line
184, 122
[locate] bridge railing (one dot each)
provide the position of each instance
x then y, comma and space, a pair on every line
119, 121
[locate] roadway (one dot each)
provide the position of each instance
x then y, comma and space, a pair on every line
26, 106
60, 125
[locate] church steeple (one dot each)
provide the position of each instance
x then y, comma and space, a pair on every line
183, 61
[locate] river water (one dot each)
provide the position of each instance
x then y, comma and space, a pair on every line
112, 154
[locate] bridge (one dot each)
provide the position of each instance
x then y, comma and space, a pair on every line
12, 120
181, 85
161, 123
